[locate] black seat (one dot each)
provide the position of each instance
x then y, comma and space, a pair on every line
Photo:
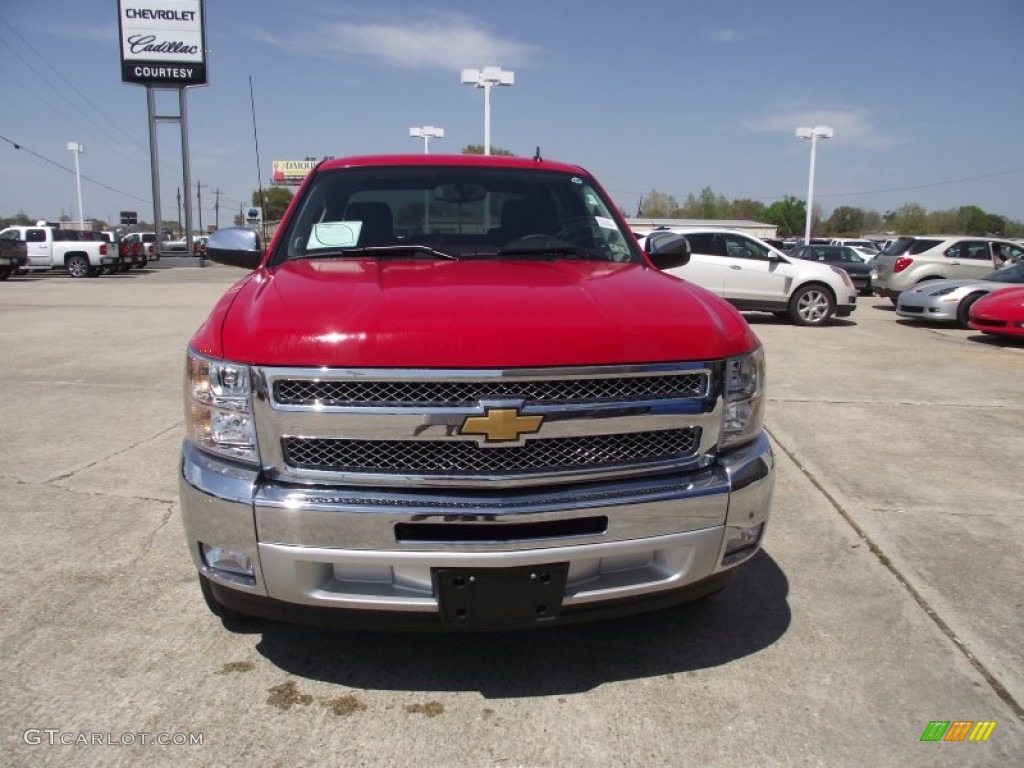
377, 220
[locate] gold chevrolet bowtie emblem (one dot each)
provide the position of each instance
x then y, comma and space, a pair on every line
501, 425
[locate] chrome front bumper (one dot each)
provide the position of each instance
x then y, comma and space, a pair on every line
376, 549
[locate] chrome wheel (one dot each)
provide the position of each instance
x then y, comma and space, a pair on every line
78, 266
811, 305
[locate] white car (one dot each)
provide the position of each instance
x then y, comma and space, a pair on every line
754, 277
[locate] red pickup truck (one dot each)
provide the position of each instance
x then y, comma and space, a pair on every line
455, 393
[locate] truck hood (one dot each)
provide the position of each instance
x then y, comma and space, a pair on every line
480, 314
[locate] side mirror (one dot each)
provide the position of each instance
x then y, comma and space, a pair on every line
667, 250
236, 247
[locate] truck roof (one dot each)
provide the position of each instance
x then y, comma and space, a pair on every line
451, 160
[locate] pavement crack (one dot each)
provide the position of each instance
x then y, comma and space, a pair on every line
97, 462
165, 518
886, 562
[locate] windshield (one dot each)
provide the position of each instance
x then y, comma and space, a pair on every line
453, 212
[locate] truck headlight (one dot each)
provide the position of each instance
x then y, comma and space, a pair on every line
743, 414
218, 410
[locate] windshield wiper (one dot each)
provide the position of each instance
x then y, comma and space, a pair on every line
552, 252
378, 250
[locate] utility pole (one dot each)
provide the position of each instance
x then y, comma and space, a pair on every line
199, 205
216, 209
179, 213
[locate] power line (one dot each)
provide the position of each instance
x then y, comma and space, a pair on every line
70, 85
932, 185
69, 170
949, 183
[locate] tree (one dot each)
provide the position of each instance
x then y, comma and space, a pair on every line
972, 220
706, 206
275, 202
996, 225
657, 205
845, 221
478, 149
909, 219
17, 220
789, 214
752, 210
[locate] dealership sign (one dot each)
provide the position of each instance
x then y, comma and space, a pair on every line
162, 42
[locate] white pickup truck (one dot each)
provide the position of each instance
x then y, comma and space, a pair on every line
48, 248
143, 244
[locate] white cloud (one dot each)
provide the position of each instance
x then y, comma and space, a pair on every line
438, 40
723, 36
853, 127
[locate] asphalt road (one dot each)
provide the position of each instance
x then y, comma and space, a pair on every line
888, 595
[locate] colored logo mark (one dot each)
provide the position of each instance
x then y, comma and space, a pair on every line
958, 730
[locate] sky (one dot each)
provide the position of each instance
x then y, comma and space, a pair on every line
925, 97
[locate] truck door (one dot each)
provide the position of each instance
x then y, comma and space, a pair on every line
39, 247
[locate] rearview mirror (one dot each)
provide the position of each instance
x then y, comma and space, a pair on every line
236, 247
667, 250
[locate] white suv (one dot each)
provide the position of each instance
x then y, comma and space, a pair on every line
754, 277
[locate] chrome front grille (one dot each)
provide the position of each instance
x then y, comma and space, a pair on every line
463, 457
445, 428
454, 394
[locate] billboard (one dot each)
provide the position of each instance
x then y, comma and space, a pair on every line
163, 42
290, 172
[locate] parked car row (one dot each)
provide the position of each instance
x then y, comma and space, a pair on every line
908, 261
950, 301
81, 253
181, 245
950, 279
755, 277
846, 257
973, 282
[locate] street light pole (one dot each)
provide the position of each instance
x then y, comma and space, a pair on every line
815, 133
485, 78
426, 132
75, 148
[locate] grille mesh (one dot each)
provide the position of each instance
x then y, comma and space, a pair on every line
441, 394
462, 457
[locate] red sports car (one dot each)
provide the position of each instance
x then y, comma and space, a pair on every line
1001, 312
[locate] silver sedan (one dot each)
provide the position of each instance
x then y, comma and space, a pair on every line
949, 301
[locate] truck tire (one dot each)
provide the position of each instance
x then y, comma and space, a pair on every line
812, 304
5, 272
78, 266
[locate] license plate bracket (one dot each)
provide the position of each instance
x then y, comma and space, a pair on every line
483, 597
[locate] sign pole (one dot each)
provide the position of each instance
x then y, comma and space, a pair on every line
154, 164
187, 175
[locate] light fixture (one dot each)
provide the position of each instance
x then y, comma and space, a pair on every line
485, 78
815, 133
77, 149
426, 132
